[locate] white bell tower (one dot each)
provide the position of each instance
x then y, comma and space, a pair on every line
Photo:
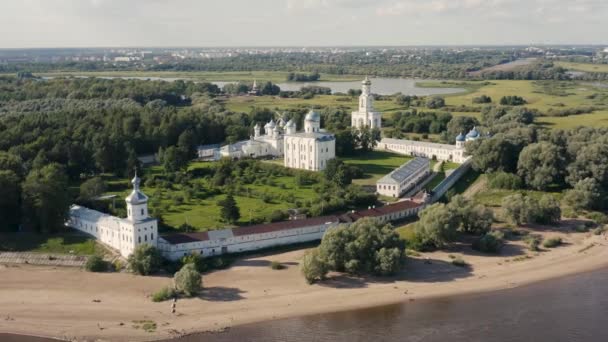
137, 202
365, 116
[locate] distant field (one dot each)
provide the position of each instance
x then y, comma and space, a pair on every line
595, 119
229, 76
506, 66
587, 67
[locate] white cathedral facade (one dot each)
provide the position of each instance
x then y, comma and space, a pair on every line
366, 116
121, 234
311, 149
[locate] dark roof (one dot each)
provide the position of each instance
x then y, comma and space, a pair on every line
175, 239
293, 224
283, 225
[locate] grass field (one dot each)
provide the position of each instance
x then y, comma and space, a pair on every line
78, 244
587, 67
229, 76
247, 103
201, 210
375, 165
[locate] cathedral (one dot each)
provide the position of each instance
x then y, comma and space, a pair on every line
366, 116
311, 149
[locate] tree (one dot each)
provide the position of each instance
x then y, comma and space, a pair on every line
92, 188
188, 280
460, 124
590, 161
587, 194
229, 210
521, 209
145, 260
489, 243
540, 165
549, 211
173, 159
437, 226
435, 102
365, 247
338, 172
470, 218
10, 199
45, 199
512, 101
312, 267
482, 99
515, 209
495, 154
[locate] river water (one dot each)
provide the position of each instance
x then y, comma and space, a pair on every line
562, 310
380, 85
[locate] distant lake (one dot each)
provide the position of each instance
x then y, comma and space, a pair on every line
380, 85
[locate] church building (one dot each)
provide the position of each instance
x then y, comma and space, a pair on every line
366, 116
311, 149
120, 234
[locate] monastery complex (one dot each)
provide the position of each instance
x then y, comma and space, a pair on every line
309, 149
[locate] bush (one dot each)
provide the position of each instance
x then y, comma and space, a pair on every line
512, 101
188, 280
489, 243
597, 217
313, 267
533, 242
164, 294
482, 99
95, 263
275, 265
458, 261
552, 242
504, 180
435, 102
145, 260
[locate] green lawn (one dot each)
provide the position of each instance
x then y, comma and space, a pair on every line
406, 232
65, 243
494, 197
201, 210
375, 165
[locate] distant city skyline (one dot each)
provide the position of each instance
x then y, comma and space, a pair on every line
196, 23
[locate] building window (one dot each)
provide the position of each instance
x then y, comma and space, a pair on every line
142, 211
139, 239
152, 236
146, 238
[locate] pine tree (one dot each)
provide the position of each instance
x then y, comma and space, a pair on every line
229, 211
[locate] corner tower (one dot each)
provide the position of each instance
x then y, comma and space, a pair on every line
137, 202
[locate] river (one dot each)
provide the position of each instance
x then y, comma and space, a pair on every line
567, 309
380, 85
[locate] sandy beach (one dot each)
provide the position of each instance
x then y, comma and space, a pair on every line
76, 305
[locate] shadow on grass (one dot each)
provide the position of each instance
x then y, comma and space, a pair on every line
221, 294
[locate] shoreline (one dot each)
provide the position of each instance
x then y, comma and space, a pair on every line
250, 292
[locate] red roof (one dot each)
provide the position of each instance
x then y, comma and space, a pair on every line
178, 238
283, 225
293, 224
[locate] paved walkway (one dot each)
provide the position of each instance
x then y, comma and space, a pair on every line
42, 259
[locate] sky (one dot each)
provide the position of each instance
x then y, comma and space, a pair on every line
201, 23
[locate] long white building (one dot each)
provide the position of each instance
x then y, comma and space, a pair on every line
445, 152
366, 116
243, 239
121, 234
311, 149
404, 178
